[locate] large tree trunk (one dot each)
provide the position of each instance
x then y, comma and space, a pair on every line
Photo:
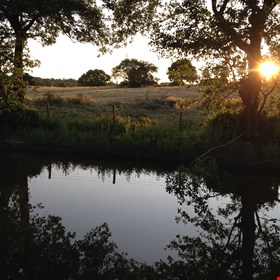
19, 47
251, 86
18, 84
249, 93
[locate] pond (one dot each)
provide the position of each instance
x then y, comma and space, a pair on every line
136, 221
136, 207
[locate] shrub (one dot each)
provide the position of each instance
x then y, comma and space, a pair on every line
21, 116
81, 99
55, 100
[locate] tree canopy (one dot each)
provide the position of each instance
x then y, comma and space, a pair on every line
45, 20
232, 33
101, 23
135, 73
94, 77
182, 71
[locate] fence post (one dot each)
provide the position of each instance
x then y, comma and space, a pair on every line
48, 111
114, 113
181, 121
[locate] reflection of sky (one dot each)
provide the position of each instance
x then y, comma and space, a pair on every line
139, 212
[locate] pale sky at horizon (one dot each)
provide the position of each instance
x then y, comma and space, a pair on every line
66, 59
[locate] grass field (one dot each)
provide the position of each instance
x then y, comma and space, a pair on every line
105, 95
80, 103
146, 122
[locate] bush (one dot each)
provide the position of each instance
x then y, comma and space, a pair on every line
21, 116
81, 99
55, 100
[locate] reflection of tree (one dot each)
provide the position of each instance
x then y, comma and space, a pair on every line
39, 247
31, 246
233, 243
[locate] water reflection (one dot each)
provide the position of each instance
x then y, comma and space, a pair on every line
39, 247
239, 240
235, 237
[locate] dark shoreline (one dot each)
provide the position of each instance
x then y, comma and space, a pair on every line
138, 157
83, 154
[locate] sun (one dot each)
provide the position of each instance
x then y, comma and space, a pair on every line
268, 69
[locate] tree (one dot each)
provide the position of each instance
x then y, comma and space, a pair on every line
182, 71
135, 73
229, 32
94, 78
45, 20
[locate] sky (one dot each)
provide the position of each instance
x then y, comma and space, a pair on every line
68, 59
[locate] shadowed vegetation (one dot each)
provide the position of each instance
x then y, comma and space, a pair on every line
179, 123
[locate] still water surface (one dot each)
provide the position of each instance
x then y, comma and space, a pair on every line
220, 224
137, 208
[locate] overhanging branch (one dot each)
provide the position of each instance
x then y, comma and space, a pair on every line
225, 26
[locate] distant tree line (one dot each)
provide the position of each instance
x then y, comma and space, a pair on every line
137, 73
37, 81
130, 73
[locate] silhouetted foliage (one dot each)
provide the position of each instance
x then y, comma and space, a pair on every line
55, 82
94, 77
182, 71
135, 73
45, 20
230, 34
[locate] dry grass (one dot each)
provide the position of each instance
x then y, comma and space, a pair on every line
105, 95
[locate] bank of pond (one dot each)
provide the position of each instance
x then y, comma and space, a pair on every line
153, 131
87, 218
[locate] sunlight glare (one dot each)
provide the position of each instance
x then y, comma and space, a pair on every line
268, 69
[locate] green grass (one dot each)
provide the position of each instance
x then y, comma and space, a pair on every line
146, 125
146, 122
134, 103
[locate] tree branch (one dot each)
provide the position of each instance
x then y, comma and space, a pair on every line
31, 22
266, 96
234, 77
217, 147
223, 7
224, 25
214, 7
